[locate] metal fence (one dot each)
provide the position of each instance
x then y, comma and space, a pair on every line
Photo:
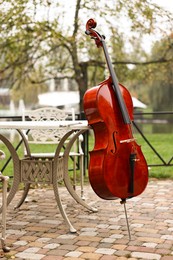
159, 122
144, 123
156, 122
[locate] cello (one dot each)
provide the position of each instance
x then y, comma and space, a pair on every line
117, 167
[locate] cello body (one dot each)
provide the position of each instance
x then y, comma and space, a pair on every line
117, 167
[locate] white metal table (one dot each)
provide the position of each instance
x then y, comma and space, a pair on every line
59, 166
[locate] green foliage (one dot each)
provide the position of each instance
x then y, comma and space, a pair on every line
152, 82
28, 90
161, 80
43, 34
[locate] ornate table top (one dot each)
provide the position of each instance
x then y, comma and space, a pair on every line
70, 125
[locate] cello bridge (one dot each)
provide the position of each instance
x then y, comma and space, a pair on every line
136, 160
127, 140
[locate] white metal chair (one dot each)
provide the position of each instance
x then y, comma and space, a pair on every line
4, 180
50, 137
45, 168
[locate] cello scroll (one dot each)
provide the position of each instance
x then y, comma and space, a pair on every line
94, 35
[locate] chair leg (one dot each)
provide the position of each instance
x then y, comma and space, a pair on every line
74, 173
4, 209
82, 177
24, 195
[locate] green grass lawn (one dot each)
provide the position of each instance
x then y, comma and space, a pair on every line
163, 143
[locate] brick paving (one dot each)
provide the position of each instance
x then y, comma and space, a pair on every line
37, 230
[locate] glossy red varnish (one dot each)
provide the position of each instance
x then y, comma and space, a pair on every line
109, 167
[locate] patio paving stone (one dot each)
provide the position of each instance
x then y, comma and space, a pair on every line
37, 230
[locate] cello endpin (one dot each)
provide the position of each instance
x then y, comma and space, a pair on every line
123, 201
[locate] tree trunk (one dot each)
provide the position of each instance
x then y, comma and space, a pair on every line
81, 75
82, 84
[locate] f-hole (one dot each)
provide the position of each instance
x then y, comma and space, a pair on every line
114, 142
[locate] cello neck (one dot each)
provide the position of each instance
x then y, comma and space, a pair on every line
100, 42
115, 85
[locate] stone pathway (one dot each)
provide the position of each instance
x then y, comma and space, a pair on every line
37, 231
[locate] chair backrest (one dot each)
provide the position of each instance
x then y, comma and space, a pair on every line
47, 114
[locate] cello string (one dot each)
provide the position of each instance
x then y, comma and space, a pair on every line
127, 222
